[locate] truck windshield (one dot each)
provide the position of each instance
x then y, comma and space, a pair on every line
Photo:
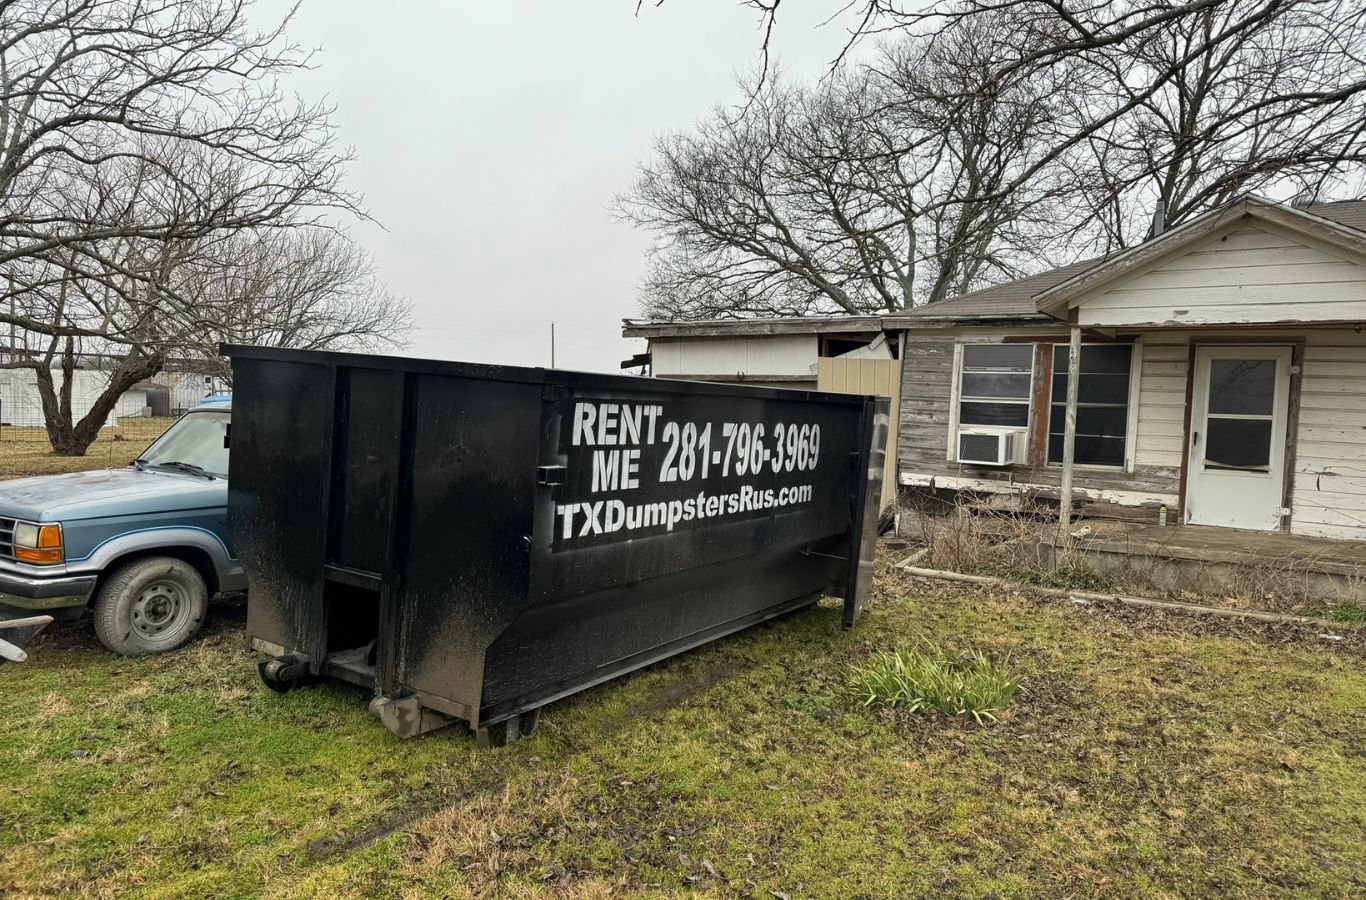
195, 441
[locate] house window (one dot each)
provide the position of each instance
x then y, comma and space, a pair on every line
1102, 404
994, 385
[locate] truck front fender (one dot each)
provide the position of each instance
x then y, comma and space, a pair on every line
227, 570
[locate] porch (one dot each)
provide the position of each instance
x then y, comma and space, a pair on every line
1270, 566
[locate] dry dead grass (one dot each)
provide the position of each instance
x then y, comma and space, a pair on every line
26, 451
1016, 545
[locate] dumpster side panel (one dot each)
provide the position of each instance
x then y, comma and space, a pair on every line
677, 518
277, 491
556, 649
365, 467
468, 530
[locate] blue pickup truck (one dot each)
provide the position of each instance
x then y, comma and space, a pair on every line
144, 547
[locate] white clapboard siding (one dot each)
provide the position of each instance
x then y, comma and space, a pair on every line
1255, 273
1329, 497
777, 354
1161, 404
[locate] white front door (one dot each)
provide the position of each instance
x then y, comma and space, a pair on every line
1237, 441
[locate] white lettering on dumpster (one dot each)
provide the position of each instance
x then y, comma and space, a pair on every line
608, 516
651, 467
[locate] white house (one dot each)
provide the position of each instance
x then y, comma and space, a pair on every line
1221, 375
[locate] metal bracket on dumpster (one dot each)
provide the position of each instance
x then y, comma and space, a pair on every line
550, 474
406, 716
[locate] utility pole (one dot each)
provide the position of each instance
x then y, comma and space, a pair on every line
552, 345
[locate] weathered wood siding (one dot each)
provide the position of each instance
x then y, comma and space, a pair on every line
1329, 481
779, 354
925, 455
1250, 274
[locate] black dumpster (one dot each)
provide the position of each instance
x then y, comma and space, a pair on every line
475, 541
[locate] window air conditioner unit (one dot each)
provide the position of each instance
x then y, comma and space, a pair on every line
992, 446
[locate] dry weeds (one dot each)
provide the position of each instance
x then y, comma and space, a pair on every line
26, 451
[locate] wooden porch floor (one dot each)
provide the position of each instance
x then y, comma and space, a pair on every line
1226, 545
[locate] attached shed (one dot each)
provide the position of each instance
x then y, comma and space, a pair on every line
767, 352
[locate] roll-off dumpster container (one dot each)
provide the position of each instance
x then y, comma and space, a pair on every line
475, 541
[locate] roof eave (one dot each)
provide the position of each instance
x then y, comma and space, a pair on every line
950, 321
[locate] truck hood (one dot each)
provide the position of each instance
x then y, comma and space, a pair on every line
109, 492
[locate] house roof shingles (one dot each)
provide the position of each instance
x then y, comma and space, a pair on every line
1016, 299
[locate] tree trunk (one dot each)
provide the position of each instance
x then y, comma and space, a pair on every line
70, 438
59, 430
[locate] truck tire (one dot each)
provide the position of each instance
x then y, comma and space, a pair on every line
150, 605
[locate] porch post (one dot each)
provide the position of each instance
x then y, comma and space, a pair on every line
1069, 439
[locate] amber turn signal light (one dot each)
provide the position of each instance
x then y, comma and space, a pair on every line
45, 546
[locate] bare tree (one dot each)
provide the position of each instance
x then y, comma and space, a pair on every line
875, 190
992, 138
307, 289
143, 145
1280, 104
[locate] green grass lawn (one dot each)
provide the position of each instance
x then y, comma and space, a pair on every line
1146, 755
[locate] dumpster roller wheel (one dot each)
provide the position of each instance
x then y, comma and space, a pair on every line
283, 674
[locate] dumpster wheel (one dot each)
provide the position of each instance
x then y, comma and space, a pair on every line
283, 674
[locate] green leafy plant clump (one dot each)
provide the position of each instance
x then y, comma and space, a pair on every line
1338, 610
934, 680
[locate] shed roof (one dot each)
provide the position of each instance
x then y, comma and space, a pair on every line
632, 328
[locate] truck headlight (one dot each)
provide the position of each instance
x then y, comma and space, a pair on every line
41, 544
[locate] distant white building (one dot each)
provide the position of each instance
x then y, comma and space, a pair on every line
165, 394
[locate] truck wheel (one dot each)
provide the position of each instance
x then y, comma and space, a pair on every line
150, 606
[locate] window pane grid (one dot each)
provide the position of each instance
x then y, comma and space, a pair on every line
995, 384
1102, 407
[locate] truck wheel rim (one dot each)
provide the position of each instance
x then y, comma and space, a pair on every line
157, 609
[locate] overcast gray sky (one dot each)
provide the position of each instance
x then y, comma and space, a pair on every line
491, 136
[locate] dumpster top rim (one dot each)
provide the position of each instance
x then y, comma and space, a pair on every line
527, 374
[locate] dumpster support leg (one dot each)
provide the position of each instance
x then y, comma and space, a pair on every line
406, 716
508, 731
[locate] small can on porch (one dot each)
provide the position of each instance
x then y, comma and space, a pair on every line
473, 542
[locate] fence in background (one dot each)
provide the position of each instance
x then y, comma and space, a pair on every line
878, 377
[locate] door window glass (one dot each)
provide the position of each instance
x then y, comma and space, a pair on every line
1238, 422
1239, 386
1238, 444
